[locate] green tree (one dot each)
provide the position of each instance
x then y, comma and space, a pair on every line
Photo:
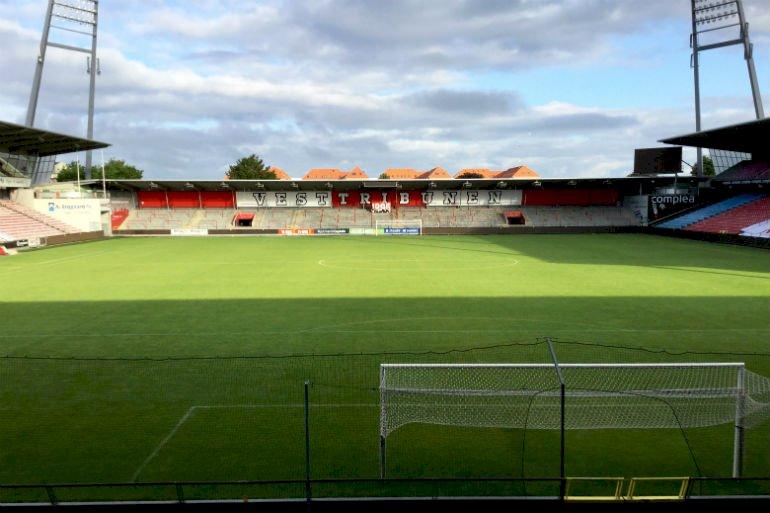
114, 169
708, 167
250, 168
384, 176
471, 174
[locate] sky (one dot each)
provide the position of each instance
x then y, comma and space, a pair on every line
567, 87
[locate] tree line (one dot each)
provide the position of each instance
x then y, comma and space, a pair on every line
246, 168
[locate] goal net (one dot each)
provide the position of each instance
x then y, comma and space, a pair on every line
597, 396
398, 227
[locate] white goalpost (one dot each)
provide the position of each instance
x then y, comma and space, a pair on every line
589, 396
398, 227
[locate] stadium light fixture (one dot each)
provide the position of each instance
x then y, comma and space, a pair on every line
295, 185
501, 185
260, 185
224, 185
329, 185
467, 184
537, 183
188, 185
153, 185
572, 183
432, 185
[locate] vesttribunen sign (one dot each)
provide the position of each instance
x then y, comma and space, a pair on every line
302, 199
367, 199
491, 198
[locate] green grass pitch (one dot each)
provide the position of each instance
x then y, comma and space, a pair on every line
108, 372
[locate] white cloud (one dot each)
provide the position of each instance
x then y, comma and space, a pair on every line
186, 90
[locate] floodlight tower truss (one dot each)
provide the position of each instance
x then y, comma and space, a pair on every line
70, 25
721, 20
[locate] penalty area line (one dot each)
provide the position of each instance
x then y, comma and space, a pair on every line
190, 411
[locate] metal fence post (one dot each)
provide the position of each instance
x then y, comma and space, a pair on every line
562, 407
308, 485
51, 496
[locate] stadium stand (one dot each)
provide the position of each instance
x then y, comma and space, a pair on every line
736, 219
745, 171
434, 217
19, 223
682, 222
8, 170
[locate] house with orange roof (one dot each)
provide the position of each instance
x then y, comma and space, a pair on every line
280, 174
518, 172
355, 174
401, 173
324, 173
485, 172
437, 173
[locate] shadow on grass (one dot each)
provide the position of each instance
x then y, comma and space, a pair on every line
599, 249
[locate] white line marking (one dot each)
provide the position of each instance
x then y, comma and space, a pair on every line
350, 265
192, 410
168, 437
74, 257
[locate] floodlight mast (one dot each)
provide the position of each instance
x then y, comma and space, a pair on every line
81, 18
714, 16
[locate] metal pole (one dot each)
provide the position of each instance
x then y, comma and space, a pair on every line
35, 93
740, 400
748, 53
308, 487
696, 76
562, 408
92, 87
104, 179
383, 424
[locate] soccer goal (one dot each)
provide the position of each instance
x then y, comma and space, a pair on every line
596, 395
398, 227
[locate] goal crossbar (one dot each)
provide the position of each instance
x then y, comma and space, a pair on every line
551, 366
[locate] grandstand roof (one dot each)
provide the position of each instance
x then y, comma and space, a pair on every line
748, 137
342, 184
25, 140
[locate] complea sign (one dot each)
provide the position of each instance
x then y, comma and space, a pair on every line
663, 205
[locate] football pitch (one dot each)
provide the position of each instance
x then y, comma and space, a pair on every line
184, 359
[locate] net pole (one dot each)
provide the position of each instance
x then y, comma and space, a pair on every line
740, 403
562, 407
383, 422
